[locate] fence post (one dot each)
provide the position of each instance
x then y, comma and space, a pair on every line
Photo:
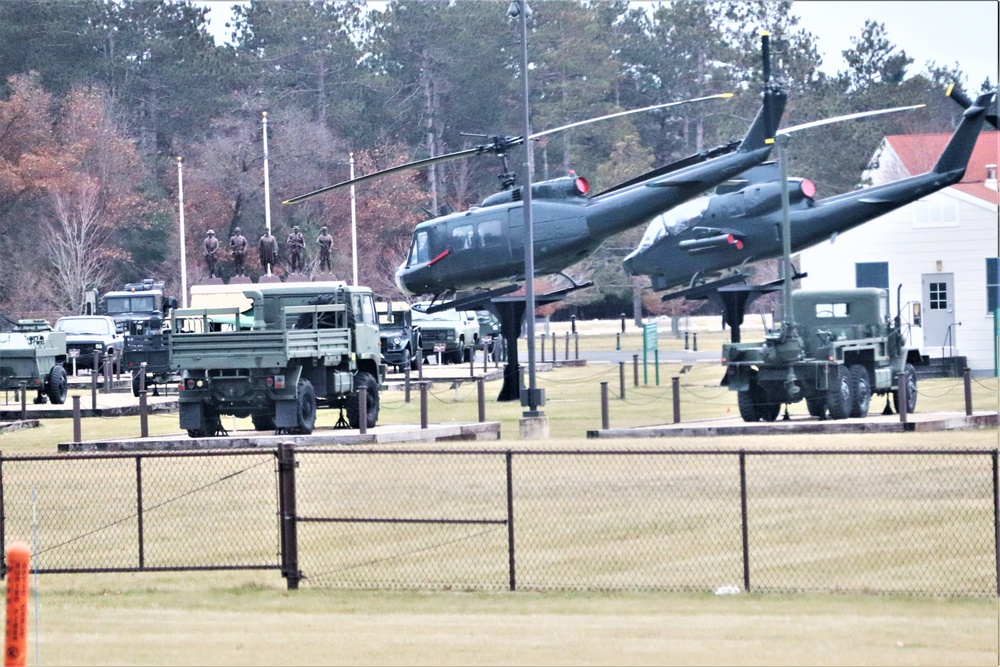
675, 385
481, 398
289, 528
143, 415
967, 379
604, 405
510, 522
743, 519
138, 510
996, 517
363, 410
423, 405
77, 431
903, 396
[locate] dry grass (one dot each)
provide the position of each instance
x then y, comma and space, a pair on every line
248, 618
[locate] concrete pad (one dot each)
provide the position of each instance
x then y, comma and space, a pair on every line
934, 421
534, 428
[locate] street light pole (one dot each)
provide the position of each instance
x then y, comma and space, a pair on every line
354, 226
520, 9
180, 206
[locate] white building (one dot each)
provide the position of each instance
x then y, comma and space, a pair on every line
942, 249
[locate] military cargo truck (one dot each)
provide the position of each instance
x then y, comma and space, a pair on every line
836, 350
140, 311
32, 354
300, 345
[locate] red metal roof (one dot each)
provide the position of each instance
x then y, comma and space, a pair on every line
919, 152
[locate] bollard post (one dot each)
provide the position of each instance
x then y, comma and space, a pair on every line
623, 322
93, 385
572, 322
77, 431
618, 341
903, 397
363, 410
143, 415
567, 346
967, 379
694, 342
554, 347
686, 344
481, 398
406, 383
24, 401
420, 365
635, 370
472, 361
423, 405
675, 384
604, 406
543, 347
576, 343
109, 363
486, 354
621, 379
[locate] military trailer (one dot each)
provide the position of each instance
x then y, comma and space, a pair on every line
836, 350
300, 345
32, 354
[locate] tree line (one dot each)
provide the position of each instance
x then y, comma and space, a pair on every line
100, 98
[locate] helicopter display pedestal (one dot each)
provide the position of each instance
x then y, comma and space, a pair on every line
534, 428
510, 311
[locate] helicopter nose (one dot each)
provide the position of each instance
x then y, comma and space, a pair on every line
401, 284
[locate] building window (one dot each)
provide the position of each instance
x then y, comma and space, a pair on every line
992, 284
871, 274
938, 296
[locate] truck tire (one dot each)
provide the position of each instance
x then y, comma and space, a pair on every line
748, 407
305, 407
816, 406
56, 385
263, 422
755, 403
911, 390
352, 408
840, 398
210, 424
861, 390
136, 381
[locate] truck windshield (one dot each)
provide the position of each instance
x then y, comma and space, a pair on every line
130, 304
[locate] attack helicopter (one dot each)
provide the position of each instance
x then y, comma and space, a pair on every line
483, 247
705, 244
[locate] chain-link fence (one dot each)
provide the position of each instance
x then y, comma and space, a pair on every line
883, 521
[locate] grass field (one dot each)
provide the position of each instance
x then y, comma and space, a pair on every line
249, 618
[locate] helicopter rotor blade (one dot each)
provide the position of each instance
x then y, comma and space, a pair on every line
720, 96
426, 162
852, 116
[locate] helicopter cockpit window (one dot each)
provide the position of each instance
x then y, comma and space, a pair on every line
462, 238
674, 222
489, 233
420, 250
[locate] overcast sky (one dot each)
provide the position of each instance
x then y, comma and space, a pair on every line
943, 31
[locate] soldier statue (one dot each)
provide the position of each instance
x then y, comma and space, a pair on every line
296, 244
325, 242
211, 252
238, 249
268, 249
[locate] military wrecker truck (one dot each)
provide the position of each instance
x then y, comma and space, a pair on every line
836, 350
140, 311
301, 344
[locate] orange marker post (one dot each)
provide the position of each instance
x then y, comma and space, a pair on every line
18, 564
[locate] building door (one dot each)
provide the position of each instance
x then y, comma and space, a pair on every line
939, 311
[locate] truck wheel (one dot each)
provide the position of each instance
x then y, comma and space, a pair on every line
263, 422
352, 408
861, 388
840, 398
748, 407
136, 382
911, 390
817, 406
56, 385
305, 403
209, 424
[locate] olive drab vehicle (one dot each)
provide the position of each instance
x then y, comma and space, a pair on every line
32, 354
300, 345
837, 350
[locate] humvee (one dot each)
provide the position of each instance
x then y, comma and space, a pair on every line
32, 354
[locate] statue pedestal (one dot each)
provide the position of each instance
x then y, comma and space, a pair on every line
240, 280
324, 278
211, 281
296, 278
269, 279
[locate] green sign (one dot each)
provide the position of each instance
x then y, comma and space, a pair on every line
650, 337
